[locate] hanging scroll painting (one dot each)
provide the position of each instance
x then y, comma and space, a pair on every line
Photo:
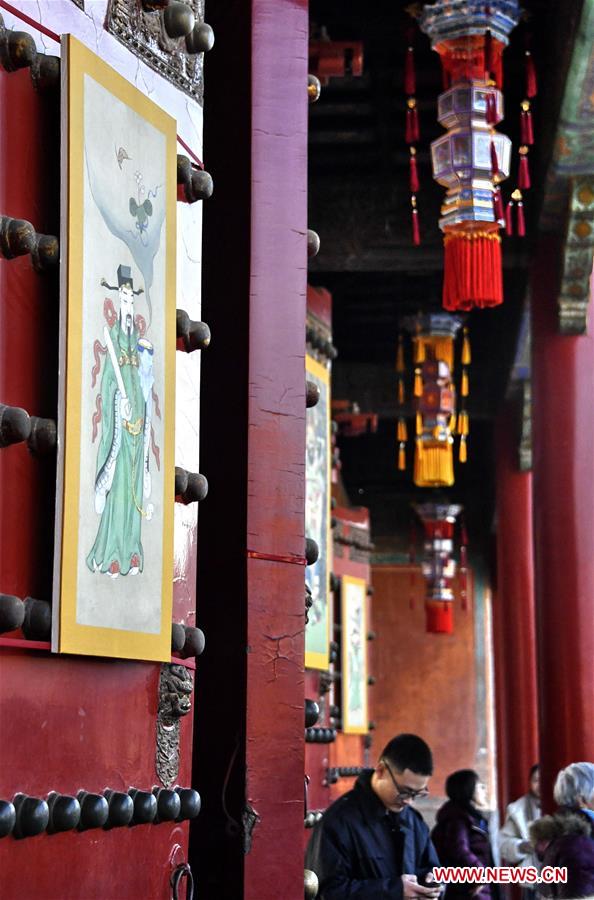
113, 565
354, 655
317, 518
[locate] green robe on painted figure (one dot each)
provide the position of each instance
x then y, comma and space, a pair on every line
122, 475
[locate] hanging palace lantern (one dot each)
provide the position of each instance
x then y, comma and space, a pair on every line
437, 418
472, 159
439, 565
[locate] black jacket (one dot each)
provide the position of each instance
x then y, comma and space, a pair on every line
359, 851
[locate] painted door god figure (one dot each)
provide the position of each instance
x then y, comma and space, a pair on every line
123, 478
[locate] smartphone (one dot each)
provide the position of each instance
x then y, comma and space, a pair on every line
428, 880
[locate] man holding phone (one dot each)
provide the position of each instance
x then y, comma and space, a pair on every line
371, 844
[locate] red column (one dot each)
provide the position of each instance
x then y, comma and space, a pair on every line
249, 736
563, 440
514, 625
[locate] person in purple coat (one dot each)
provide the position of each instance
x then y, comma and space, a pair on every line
566, 839
461, 835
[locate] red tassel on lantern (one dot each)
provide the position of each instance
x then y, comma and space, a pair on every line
526, 130
509, 221
410, 81
414, 175
529, 129
491, 113
531, 85
472, 270
494, 160
523, 171
521, 220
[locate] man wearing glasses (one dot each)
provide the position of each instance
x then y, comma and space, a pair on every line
371, 844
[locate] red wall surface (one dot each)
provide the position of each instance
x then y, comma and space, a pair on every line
426, 683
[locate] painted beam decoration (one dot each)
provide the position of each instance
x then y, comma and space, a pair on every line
113, 566
568, 208
354, 655
317, 517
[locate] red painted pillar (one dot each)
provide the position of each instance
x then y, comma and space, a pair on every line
249, 734
563, 441
276, 450
514, 622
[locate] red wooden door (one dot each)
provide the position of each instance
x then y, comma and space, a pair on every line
80, 724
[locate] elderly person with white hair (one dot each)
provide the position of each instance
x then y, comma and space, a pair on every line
567, 838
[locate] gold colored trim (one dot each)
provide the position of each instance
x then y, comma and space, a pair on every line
78, 61
359, 583
314, 659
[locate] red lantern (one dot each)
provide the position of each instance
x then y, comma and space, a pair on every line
439, 565
472, 159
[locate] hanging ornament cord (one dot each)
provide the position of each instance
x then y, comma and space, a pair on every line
412, 132
520, 218
526, 137
509, 218
401, 428
463, 565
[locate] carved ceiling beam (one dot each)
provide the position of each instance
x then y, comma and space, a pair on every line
569, 193
578, 253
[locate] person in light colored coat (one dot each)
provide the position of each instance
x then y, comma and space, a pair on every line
514, 844
513, 839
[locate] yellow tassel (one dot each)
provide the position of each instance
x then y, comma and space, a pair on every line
419, 350
418, 388
400, 355
464, 385
419, 423
402, 431
463, 423
452, 422
462, 455
400, 392
434, 464
466, 357
401, 458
